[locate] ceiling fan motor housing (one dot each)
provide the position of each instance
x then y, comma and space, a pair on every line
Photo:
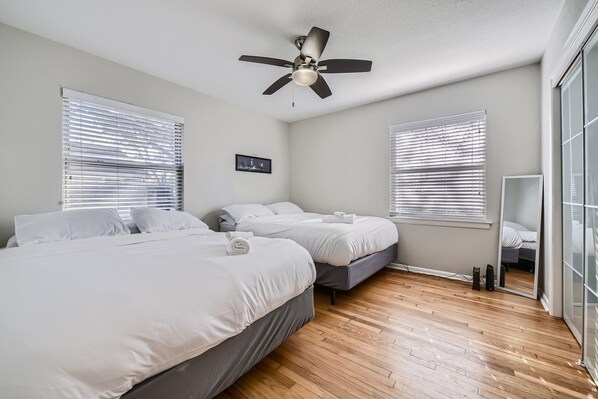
299, 41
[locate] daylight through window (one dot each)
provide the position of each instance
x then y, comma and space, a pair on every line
438, 168
120, 156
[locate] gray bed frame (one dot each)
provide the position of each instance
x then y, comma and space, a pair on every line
515, 255
509, 255
346, 277
210, 373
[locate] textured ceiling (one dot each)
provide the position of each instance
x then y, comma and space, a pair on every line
414, 44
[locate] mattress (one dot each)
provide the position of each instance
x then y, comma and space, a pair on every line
336, 244
91, 318
529, 245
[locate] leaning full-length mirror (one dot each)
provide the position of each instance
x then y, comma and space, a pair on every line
519, 242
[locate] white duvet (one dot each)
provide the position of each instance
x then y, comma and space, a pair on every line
91, 318
515, 235
334, 243
510, 238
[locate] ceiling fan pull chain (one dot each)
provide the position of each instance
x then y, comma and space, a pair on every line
293, 96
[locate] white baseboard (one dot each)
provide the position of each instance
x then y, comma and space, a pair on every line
545, 303
452, 276
431, 272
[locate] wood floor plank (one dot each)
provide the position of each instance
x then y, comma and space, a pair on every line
404, 335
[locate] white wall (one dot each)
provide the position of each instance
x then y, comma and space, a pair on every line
32, 71
551, 277
527, 211
521, 202
340, 161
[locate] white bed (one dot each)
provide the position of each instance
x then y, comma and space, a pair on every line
515, 235
345, 254
93, 317
336, 244
518, 243
510, 237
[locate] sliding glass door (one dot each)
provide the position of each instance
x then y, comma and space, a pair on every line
573, 203
579, 116
590, 233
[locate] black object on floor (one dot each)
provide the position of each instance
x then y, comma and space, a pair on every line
501, 280
476, 278
489, 278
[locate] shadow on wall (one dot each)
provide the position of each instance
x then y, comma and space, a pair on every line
211, 219
7, 230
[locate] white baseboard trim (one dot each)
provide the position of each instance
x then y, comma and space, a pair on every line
545, 303
431, 272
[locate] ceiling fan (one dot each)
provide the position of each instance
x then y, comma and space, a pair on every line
306, 68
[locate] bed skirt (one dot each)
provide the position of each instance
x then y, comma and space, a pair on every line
213, 371
509, 255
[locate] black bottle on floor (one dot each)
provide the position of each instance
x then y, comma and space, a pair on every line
476, 279
489, 278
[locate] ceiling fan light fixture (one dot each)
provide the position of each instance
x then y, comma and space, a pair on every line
305, 75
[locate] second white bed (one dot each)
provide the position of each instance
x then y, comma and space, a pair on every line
336, 244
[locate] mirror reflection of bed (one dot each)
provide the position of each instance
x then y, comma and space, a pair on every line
519, 234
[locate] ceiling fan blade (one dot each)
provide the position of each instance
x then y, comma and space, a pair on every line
278, 84
344, 66
314, 43
321, 87
266, 60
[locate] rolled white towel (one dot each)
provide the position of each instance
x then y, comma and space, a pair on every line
238, 246
339, 214
350, 219
235, 234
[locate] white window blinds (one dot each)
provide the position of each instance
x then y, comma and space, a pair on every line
119, 156
438, 168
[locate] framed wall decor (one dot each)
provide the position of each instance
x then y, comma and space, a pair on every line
249, 163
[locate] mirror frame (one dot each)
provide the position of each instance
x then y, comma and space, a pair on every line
533, 295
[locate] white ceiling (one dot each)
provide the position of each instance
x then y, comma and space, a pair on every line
414, 44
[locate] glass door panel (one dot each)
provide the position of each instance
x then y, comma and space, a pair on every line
572, 197
590, 229
573, 301
590, 61
591, 332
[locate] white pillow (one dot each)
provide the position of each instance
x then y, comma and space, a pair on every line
528, 236
12, 242
226, 218
68, 225
153, 220
246, 211
284, 208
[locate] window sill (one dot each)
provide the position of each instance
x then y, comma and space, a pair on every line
464, 224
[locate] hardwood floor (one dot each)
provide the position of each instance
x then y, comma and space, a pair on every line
403, 335
520, 280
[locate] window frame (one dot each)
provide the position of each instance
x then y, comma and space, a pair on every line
438, 219
168, 162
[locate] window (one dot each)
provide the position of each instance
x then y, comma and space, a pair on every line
438, 168
119, 156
